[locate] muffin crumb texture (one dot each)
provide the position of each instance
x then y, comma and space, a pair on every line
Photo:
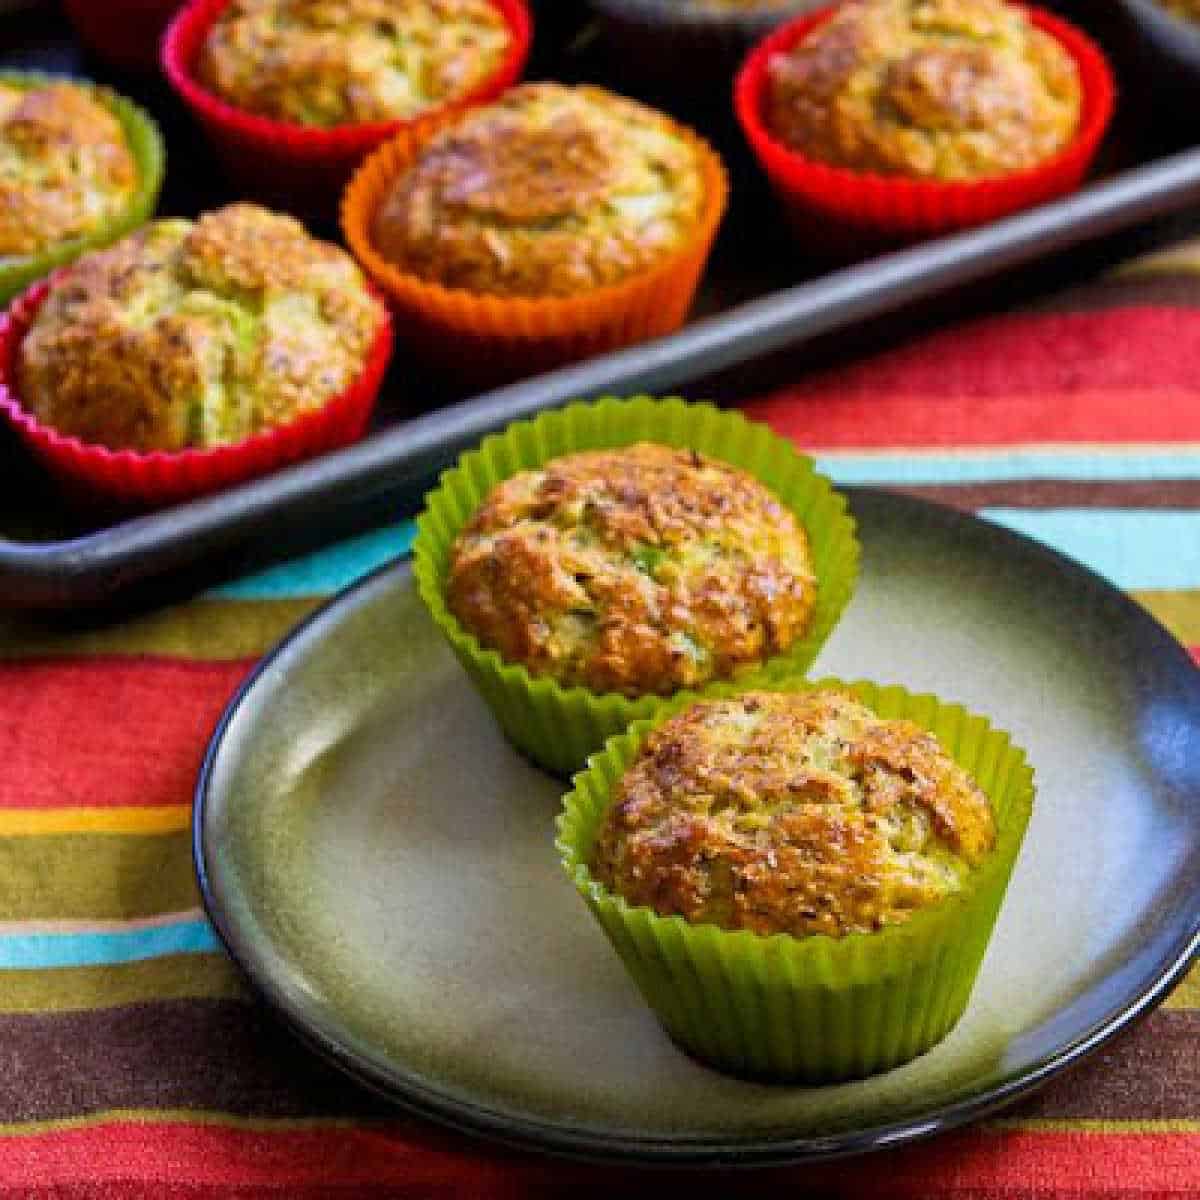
339, 62
644, 569
799, 813
196, 334
545, 192
937, 89
65, 166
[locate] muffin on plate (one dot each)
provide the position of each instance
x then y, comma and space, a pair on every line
889, 119
78, 166
293, 94
802, 880
942, 89
553, 222
590, 563
795, 813
210, 342
339, 62
641, 570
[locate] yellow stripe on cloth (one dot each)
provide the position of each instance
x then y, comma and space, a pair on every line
1187, 994
204, 630
40, 822
151, 980
1088, 1125
1179, 611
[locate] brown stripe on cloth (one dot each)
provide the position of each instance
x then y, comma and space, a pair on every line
1152, 290
1061, 493
211, 1054
232, 1057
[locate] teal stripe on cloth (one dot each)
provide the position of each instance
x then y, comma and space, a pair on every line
326, 570
1009, 465
1135, 549
44, 951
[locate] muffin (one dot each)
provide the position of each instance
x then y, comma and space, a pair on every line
554, 221
65, 166
293, 94
588, 564
338, 62
641, 570
78, 167
940, 89
198, 352
800, 813
197, 334
801, 880
879, 121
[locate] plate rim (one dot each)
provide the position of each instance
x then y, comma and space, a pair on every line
585, 1144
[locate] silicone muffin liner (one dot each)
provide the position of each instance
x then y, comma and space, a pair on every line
125, 33
146, 145
490, 338
559, 726
815, 1009
674, 43
299, 165
825, 201
132, 479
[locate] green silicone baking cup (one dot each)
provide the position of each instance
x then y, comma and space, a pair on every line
815, 1009
145, 143
559, 726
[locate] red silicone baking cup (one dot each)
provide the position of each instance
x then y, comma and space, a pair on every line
125, 33
289, 163
838, 201
129, 478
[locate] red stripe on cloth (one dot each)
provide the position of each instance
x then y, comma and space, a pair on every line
107, 731
1124, 375
972, 1163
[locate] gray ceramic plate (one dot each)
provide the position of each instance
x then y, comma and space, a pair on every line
382, 864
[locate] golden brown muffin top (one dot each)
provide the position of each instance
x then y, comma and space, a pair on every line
339, 62
938, 89
547, 191
65, 166
1190, 9
798, 813
194, 334
639, 570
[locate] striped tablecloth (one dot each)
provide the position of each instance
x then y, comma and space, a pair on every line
134, 1062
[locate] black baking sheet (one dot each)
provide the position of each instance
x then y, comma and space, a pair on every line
764, 307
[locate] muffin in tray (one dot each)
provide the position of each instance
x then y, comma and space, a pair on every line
802, 880
590, 563
878, 121
79, 166
193, 352
641, 570
553, 222
339, 62
293, 94
943, 89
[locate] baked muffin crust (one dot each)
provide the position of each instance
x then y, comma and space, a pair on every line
1189, 9
940, 89
336, 62
791, 813
65, 166
547, 191
197, 334
644, 569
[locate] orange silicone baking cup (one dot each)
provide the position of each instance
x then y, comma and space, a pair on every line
491, 338
141, 480
840, 202
297, 165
